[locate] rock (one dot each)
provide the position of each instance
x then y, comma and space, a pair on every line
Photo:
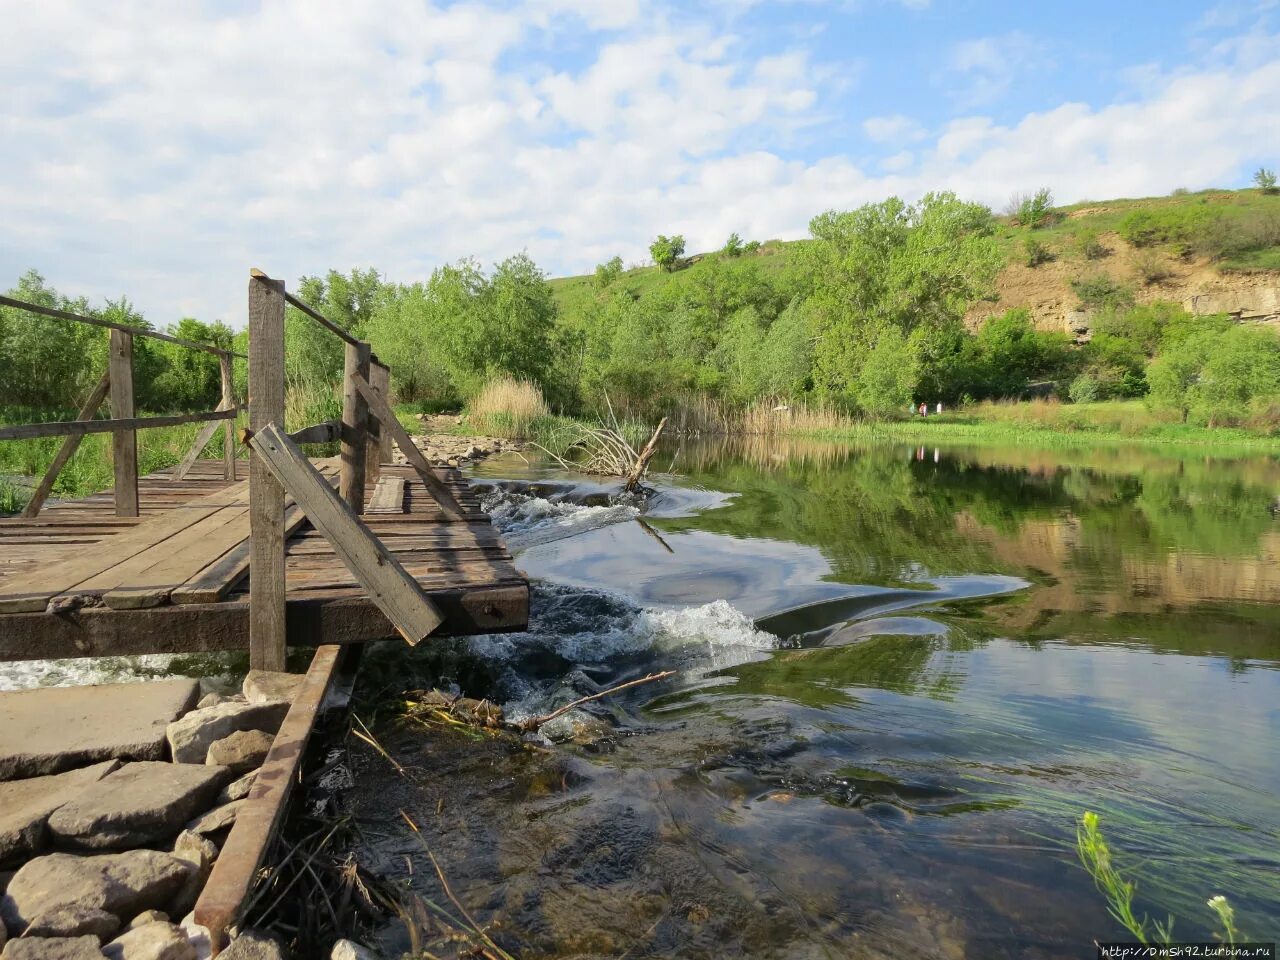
190, 737
252, 945
240, 752
49, 729
148, 916
4, 935
75, 921
153, 941
138, 804
270, 686
60, 948
200, 852
237, 789
219, 818
121, 883
350, 950
209, 700
25, 806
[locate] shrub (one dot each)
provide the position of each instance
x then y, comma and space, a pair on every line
1032, 210
732, 246
1101, 292
1085, 388
1151, 267
752, 246
1180, 191
1035, 252
667, 251
1265, 179
507, 407
1091, 248
1141, 228
608, 272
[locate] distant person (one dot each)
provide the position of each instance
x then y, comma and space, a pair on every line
939, 406
924, 409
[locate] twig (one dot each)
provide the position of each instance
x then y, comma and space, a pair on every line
368, 738
533, 723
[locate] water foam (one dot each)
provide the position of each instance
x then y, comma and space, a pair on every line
528, 519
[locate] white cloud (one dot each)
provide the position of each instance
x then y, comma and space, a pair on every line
152, 152
989, 65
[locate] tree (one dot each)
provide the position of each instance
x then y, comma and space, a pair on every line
607, 272
667, 251
887, 380
1265, 179
1031, 210
733, 246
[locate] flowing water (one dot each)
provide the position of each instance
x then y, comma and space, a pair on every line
904, 674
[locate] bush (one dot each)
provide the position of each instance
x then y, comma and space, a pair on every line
1141, 228
667, 251
1151, 268
608, 272
1085, 388
752, 246
1032, 211
732, 246
1101, 292
507, 407
1265, 180
1091, 248
1035, 252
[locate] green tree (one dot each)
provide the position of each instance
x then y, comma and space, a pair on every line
46, 363
887, 380
733, 246
1265, 179
667, 251
607, 272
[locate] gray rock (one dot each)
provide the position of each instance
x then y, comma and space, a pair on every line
350, 950
200, 852
148, 916
153, 941
190, 737
57, 948
237, 789
25, 806
121, 883
240, 752
269, 686
75, 921
219, 818
4, 934
252, 945
138, 804
49, 729
209, 700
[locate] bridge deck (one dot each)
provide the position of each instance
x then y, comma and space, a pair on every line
177, 577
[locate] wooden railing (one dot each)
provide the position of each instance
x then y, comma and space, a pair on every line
117, 382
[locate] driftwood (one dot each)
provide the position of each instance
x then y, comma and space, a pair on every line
530, 724
642, 461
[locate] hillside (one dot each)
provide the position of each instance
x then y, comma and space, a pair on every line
1216, 251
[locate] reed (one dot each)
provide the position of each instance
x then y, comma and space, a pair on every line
507, 407
768, 417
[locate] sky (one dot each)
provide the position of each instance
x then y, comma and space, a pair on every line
159, 150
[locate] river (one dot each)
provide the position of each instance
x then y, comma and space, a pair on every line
904, 674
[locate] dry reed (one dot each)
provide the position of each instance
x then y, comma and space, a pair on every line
507, 407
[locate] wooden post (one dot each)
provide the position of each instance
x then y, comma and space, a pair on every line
355, 427
228, 430
267, 646
124, 442
380, 380
67, 450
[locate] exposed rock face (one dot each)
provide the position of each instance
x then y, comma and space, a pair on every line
191, 736
252, 945
152, 941
25, 806
219, 818
237, 789
240, 752
269, 686
50, 729
124, 884
75, 921
1259, 304
59, 948
138, 804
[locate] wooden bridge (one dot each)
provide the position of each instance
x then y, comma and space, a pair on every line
200, 558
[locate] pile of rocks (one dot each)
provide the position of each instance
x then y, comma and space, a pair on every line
113, 838
452, 449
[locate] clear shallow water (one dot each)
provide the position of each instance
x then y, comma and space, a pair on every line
904, 674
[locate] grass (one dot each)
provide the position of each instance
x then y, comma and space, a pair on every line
507, 407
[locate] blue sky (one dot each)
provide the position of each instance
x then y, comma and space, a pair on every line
161, 149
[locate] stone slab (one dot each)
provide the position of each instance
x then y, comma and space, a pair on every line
140, 803
50, 729
25, 806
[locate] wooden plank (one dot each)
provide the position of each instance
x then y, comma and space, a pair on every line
107, 324
124, 441
228, 431
79, 428
267, 628
314, 618
388, 496
327, 432
68, 448
202, 440
380, 380
391, 589
386, 416
355, 427
227, 890
34, 592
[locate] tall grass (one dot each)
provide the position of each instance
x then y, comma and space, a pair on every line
507, 407
766, 417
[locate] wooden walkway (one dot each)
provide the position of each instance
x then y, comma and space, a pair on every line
80, 581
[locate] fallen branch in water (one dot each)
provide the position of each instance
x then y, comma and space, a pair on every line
533, 723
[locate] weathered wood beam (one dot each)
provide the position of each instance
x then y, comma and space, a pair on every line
376, 568
328, 432
228, 435
68, 448
387, 417
355, 427
202, 440
309, 310
124, 440
78, 428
